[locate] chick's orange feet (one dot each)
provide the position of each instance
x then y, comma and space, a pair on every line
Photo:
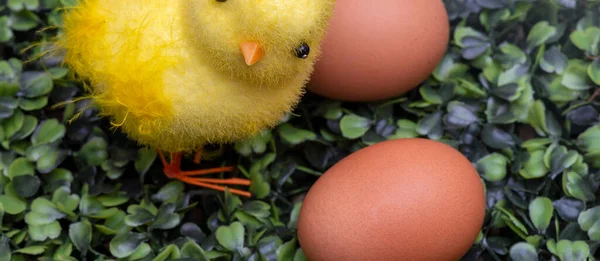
173, 170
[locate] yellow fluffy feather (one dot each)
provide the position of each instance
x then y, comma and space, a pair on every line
171, 74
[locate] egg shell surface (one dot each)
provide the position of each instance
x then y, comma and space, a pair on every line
380, 49
404, 199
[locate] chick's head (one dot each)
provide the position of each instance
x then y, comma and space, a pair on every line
262, 42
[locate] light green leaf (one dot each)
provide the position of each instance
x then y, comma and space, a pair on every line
493, 166
576, 76
589, 221
354, 126
540, 33
12, 205
232, 236
540, 213
80, 234
193, 250
31, 250
586, 40
49, 131
293, 135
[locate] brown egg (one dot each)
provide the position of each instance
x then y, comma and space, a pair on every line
380, 49
404, 199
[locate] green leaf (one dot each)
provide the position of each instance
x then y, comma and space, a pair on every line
20, 167
593, 71
459, 115
406, 129
493, 167
13, 124
259, 187
572, 250
576, 76
512, 221
12, 205
287, 251
64, 201
293, 135
231, 237
140, 252
31, 250
554, 61
49, 131
194, 251
80, 234
169, 192
38, 85
537, 117
523, 251
540, 213
26, 186
431, 125
166, 219
94, 151
144, 160
300, 256
576, 186
257, 208
33, 103
5, 252
114, 199
138, 216
586, 40
430, 95
43, 212
29, 124
1, 214
123, 245
293, 223
496, 138
169, 253
353, 126
540, 33
534, 166
256, 144
50, 160
43, 232
589, 221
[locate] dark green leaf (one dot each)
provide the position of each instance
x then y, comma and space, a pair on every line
5, 252
166, 219
568, 209
144, 160
26, 186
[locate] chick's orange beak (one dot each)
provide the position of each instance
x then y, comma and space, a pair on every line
252, 52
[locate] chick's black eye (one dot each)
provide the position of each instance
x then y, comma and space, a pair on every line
302, 51
221, 0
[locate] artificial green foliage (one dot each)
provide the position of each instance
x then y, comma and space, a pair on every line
516, 92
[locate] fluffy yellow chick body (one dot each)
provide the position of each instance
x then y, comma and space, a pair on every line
172, 75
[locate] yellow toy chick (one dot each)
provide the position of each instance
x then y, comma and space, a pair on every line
176, 75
